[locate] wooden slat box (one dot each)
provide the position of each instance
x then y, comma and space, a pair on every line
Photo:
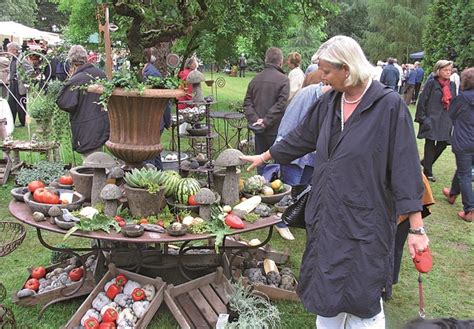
112, 273
58, 293
198, 303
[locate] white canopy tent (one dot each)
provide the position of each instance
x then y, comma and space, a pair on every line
17, 32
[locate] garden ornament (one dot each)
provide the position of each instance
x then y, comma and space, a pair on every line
111, 194
99, 161
195, 78
205, 197
230, 159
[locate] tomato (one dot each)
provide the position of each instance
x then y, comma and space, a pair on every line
38, 194
65, 180
121, 280
113, 291
32, 284
233, 221
91, 323
138, 294
51, 198
122, 223
192, 201
143, 221
76, 274
118, 218
110, 315
107, 325
34, 185
38, 272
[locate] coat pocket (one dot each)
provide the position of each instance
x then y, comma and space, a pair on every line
359, 220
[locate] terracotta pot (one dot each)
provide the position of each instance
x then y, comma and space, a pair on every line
135, 122
142, 203
82, 178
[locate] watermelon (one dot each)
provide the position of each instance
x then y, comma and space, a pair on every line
185, 188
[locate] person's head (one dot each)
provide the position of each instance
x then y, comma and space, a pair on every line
467, 79
77, 55
380, 63
274, 56
13, 48
314, 59
191, 63
294, 60
442, 69
150, 55
243, 55
312, 78
455, 70
390, 60
395, 61
343, 63
417, 64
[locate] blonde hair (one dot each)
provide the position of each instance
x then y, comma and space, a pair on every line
294, 58
77, 55
342, 50
442, 63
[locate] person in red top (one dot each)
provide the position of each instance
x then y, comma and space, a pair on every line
190, 65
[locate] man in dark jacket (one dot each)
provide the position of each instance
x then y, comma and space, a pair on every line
420, 74
390, 75
89, 121
265, 101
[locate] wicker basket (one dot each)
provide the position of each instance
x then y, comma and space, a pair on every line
11, 236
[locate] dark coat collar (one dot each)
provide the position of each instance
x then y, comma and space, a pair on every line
273, 66
84, 67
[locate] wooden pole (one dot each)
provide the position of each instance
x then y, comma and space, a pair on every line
105, 29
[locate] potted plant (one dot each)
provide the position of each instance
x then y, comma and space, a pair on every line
144, 194
135, 111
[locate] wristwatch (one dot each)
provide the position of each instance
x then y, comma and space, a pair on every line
419, 230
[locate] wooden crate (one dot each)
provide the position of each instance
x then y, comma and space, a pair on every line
58, 293
111, 273
198, 303
5, 167
274, 293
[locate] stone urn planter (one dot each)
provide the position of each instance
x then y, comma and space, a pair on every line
143, 203
135, 122
82, 178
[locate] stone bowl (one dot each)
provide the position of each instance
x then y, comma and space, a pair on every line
77, 201
63, 224
198, 131
63, 186
132, 230
19, 192
181, 207
180, 232
272, 199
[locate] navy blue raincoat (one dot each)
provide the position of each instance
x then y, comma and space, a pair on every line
364, 177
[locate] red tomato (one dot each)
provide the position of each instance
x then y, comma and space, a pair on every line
118, 218
113, 291
192, 201
51, 198
34, 185
38, 272
121, 280
122, 223
38, 194
107, 325
110, 315
76, 274
91, 323
65, 180
32, 284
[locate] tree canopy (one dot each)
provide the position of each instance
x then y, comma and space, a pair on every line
20, 11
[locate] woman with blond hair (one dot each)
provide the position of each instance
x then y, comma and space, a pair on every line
296, 75
366, 174
433, 116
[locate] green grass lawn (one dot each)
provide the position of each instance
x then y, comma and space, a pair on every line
448, 288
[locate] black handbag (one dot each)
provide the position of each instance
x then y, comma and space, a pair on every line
293, 216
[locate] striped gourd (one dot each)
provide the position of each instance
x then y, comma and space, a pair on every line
186, 187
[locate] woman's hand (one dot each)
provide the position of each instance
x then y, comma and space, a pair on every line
255, 160
417, 243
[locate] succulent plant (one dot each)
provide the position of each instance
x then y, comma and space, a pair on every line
253, 185
149, 179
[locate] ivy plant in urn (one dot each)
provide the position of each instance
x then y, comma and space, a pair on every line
135, 112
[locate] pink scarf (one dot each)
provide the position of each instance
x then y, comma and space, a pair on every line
447, 97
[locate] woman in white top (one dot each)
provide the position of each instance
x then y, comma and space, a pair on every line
296, 75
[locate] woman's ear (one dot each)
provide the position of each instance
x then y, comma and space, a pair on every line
345, 67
